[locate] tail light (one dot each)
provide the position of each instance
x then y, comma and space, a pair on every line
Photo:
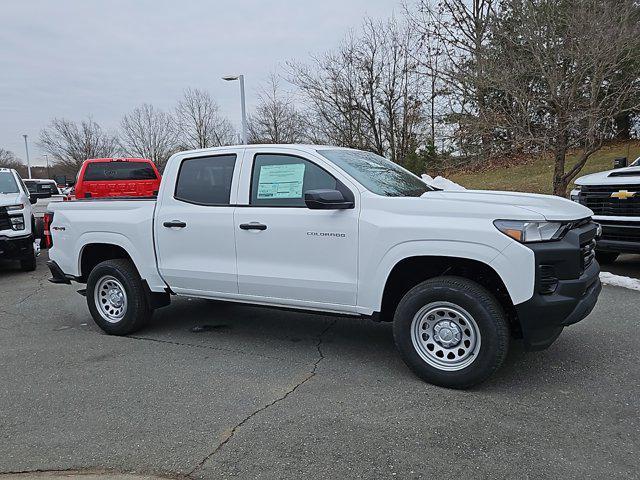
48, 239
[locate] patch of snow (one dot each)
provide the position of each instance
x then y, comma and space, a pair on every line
441, 182
608, 278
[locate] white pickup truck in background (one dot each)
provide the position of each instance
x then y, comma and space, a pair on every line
19, 239
614, 198
343, 231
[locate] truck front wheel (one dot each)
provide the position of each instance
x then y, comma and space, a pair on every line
116, 297
451, 332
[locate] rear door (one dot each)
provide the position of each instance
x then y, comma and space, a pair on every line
298, 255
194, 224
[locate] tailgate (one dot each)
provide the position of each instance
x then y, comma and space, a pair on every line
125, 188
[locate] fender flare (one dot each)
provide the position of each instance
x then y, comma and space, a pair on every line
486, 254
108, 238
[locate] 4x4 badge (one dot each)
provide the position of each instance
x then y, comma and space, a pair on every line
622, 194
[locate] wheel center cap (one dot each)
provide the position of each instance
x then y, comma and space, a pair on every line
115, 297
446, 333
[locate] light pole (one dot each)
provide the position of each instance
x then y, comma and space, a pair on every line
231, 78
26, 148
46, 159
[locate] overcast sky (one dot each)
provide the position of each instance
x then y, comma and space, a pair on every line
75, 58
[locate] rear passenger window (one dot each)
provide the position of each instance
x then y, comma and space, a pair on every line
112, 171
206, 180
281, 180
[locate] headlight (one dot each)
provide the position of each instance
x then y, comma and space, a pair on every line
10, 208
17, 222
575, 193
530, 231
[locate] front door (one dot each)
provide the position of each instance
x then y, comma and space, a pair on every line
287, 251
194, 226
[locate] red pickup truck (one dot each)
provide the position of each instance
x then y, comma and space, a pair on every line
117, 177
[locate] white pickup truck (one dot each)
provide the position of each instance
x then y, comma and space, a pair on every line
343, 231
18, 237
614, 198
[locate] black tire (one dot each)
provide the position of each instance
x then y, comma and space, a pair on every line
28, 264
605, 258
469, 297
137, 311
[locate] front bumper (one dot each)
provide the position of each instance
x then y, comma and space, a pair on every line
16, 248
543, 317
620, 236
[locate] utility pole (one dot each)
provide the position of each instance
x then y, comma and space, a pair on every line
46, 159
242, 104
26, 148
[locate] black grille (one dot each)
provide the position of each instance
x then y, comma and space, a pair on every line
588, 253
627, 232
598, 198
548, 279
5, 223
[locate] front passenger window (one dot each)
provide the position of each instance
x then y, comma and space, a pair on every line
281, 180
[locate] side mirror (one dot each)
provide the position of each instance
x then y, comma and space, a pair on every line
620, 162
326, 200
33, 199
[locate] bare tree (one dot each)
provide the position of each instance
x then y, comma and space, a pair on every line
454, 36
367, 94
150, 133
199, 122
559, 76
276, 118
71, 144
9, 160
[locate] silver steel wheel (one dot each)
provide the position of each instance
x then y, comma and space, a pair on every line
110, 299
445, 336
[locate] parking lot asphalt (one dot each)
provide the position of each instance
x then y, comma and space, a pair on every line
210, 390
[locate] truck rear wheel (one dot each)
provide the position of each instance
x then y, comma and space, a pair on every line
116, 297
451, 332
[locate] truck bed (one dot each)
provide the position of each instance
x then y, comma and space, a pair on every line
126, 222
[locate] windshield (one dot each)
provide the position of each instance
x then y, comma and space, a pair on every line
8, 183
376, 173
636, 163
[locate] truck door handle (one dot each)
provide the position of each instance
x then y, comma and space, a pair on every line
174, 223
253, 226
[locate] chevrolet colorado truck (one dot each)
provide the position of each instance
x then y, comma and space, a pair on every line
614, 198
18, 238
340, 231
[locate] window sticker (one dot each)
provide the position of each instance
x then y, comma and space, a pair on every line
281, 181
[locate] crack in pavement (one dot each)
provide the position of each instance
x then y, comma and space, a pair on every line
40, 284
208, 347
307, 377
92, 473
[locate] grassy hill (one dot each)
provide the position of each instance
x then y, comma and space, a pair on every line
535, 175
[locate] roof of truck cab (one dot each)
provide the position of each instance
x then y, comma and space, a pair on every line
116, 159
311, 148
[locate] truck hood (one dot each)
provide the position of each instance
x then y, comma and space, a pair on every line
9, 199
503, 204
619, 176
